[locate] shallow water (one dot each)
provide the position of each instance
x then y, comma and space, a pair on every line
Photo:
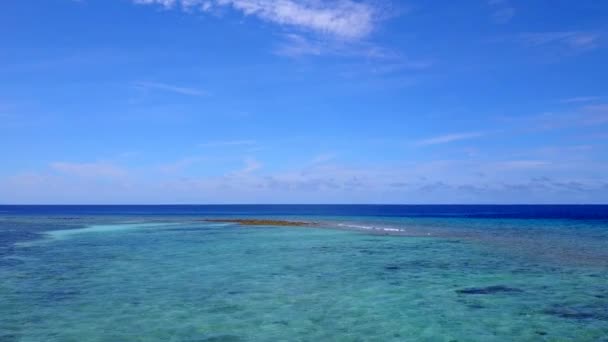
151, 278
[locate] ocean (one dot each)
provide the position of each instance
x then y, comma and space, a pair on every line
357, 273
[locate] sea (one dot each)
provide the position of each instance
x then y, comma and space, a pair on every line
354, 273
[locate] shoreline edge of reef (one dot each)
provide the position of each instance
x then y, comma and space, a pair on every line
263, 222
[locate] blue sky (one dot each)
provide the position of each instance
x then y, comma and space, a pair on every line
303, 101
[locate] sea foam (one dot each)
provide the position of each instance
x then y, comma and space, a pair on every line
103, 228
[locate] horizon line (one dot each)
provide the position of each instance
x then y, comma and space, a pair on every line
314, 204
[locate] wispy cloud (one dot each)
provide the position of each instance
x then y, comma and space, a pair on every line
314, 28
180, 164
522, 164
297, 45
89, 170
170, 88
448, 138
585, 116
580, 99
502, 11
575, 40
323, 158
251, 165
539, 179
595, 114
344, 19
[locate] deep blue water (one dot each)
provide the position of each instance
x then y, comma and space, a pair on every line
361, 273
585, 212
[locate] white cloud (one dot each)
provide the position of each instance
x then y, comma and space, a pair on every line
311, 27
170, 88
464, 181
344, 19
448, 138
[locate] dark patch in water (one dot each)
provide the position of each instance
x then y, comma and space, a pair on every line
9, 338
425, 264
578, 313
489, 290
61, 295
475, 306
10, 262
392, 268
224, 309
541, 333
10, 237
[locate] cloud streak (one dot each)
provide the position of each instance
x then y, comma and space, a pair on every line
251, 165
502, 11
462, 181
448, 138
89, 170
581, 99
575, 40
344, 19
297, 45
170, 88
589, 115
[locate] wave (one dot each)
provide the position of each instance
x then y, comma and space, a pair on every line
368, 227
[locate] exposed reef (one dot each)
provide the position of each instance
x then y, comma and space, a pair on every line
263, 222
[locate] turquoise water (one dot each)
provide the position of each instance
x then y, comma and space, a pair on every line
176, 279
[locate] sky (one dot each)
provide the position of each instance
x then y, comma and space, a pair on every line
303, 101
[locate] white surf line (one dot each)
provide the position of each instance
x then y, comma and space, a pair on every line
103, 228
365, 227
53, 235
128, 225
